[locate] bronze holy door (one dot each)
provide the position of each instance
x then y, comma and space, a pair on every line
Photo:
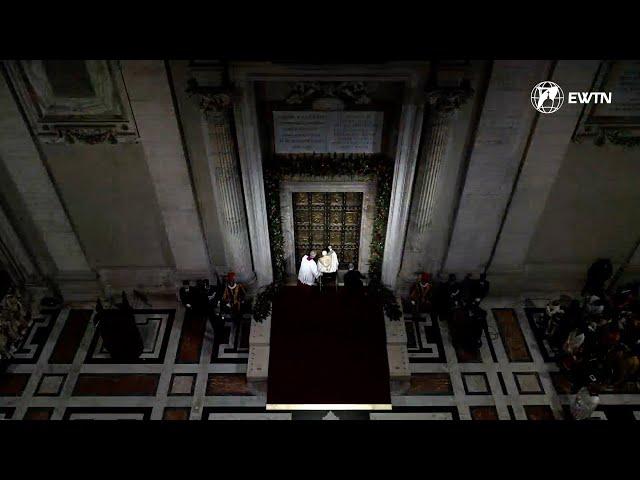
328, 218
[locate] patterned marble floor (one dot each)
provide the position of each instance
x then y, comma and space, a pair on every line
185, 373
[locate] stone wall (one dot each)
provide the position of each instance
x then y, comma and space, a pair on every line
593, 211
516, 196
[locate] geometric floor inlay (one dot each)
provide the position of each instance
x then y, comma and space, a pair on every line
186, 372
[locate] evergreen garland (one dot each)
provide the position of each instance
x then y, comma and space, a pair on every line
272, 194
375, 167
378, 291
264, 299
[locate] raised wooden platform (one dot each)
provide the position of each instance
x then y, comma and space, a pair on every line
328, 352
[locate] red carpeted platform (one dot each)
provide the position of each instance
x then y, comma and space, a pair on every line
327, 349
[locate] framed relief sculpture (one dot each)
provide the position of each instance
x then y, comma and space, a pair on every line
74, 101
618, 122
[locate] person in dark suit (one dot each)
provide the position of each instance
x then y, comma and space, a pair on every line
214, 296
118, 330
201, 297
599, 272
353, 279
481, 288
186, 295
125, 306
474, 290
476, 323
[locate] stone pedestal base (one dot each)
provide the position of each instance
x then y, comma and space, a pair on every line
398, 356
399, 372
258, 364
258, 368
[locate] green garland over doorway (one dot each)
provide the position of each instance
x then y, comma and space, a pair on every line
374, 167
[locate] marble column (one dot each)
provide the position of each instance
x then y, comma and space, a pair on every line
250, 156
226, 179
403, 176
433, 156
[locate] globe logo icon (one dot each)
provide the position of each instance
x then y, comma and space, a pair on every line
547, 97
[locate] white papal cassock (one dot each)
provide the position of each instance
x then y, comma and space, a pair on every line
308, 271
328, 262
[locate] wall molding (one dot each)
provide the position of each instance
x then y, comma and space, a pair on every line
102, 118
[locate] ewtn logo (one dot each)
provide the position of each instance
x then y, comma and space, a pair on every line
548, 97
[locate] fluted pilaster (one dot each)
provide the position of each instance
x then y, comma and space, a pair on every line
227, 183
420, 254
433, 156
443, 104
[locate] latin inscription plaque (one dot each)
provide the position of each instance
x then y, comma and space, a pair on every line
327, 132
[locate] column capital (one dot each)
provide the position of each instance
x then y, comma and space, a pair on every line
446, 100
213, 99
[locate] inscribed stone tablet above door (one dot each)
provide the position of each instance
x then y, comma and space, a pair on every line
327, 132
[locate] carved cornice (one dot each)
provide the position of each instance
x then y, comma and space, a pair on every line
212, 99
601, 135
103, 117
87, 136
356, 93
449, 99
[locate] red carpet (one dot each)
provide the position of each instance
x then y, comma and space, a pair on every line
327, 348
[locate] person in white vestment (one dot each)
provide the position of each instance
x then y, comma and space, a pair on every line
308, 269
328, 265
328, 262
334, 260
324, 263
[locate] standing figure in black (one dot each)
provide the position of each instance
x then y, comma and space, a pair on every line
599, 272
201, 297
455, 293
481, 288
353, 280
476, 323
214, 296
186, 295
466, 287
